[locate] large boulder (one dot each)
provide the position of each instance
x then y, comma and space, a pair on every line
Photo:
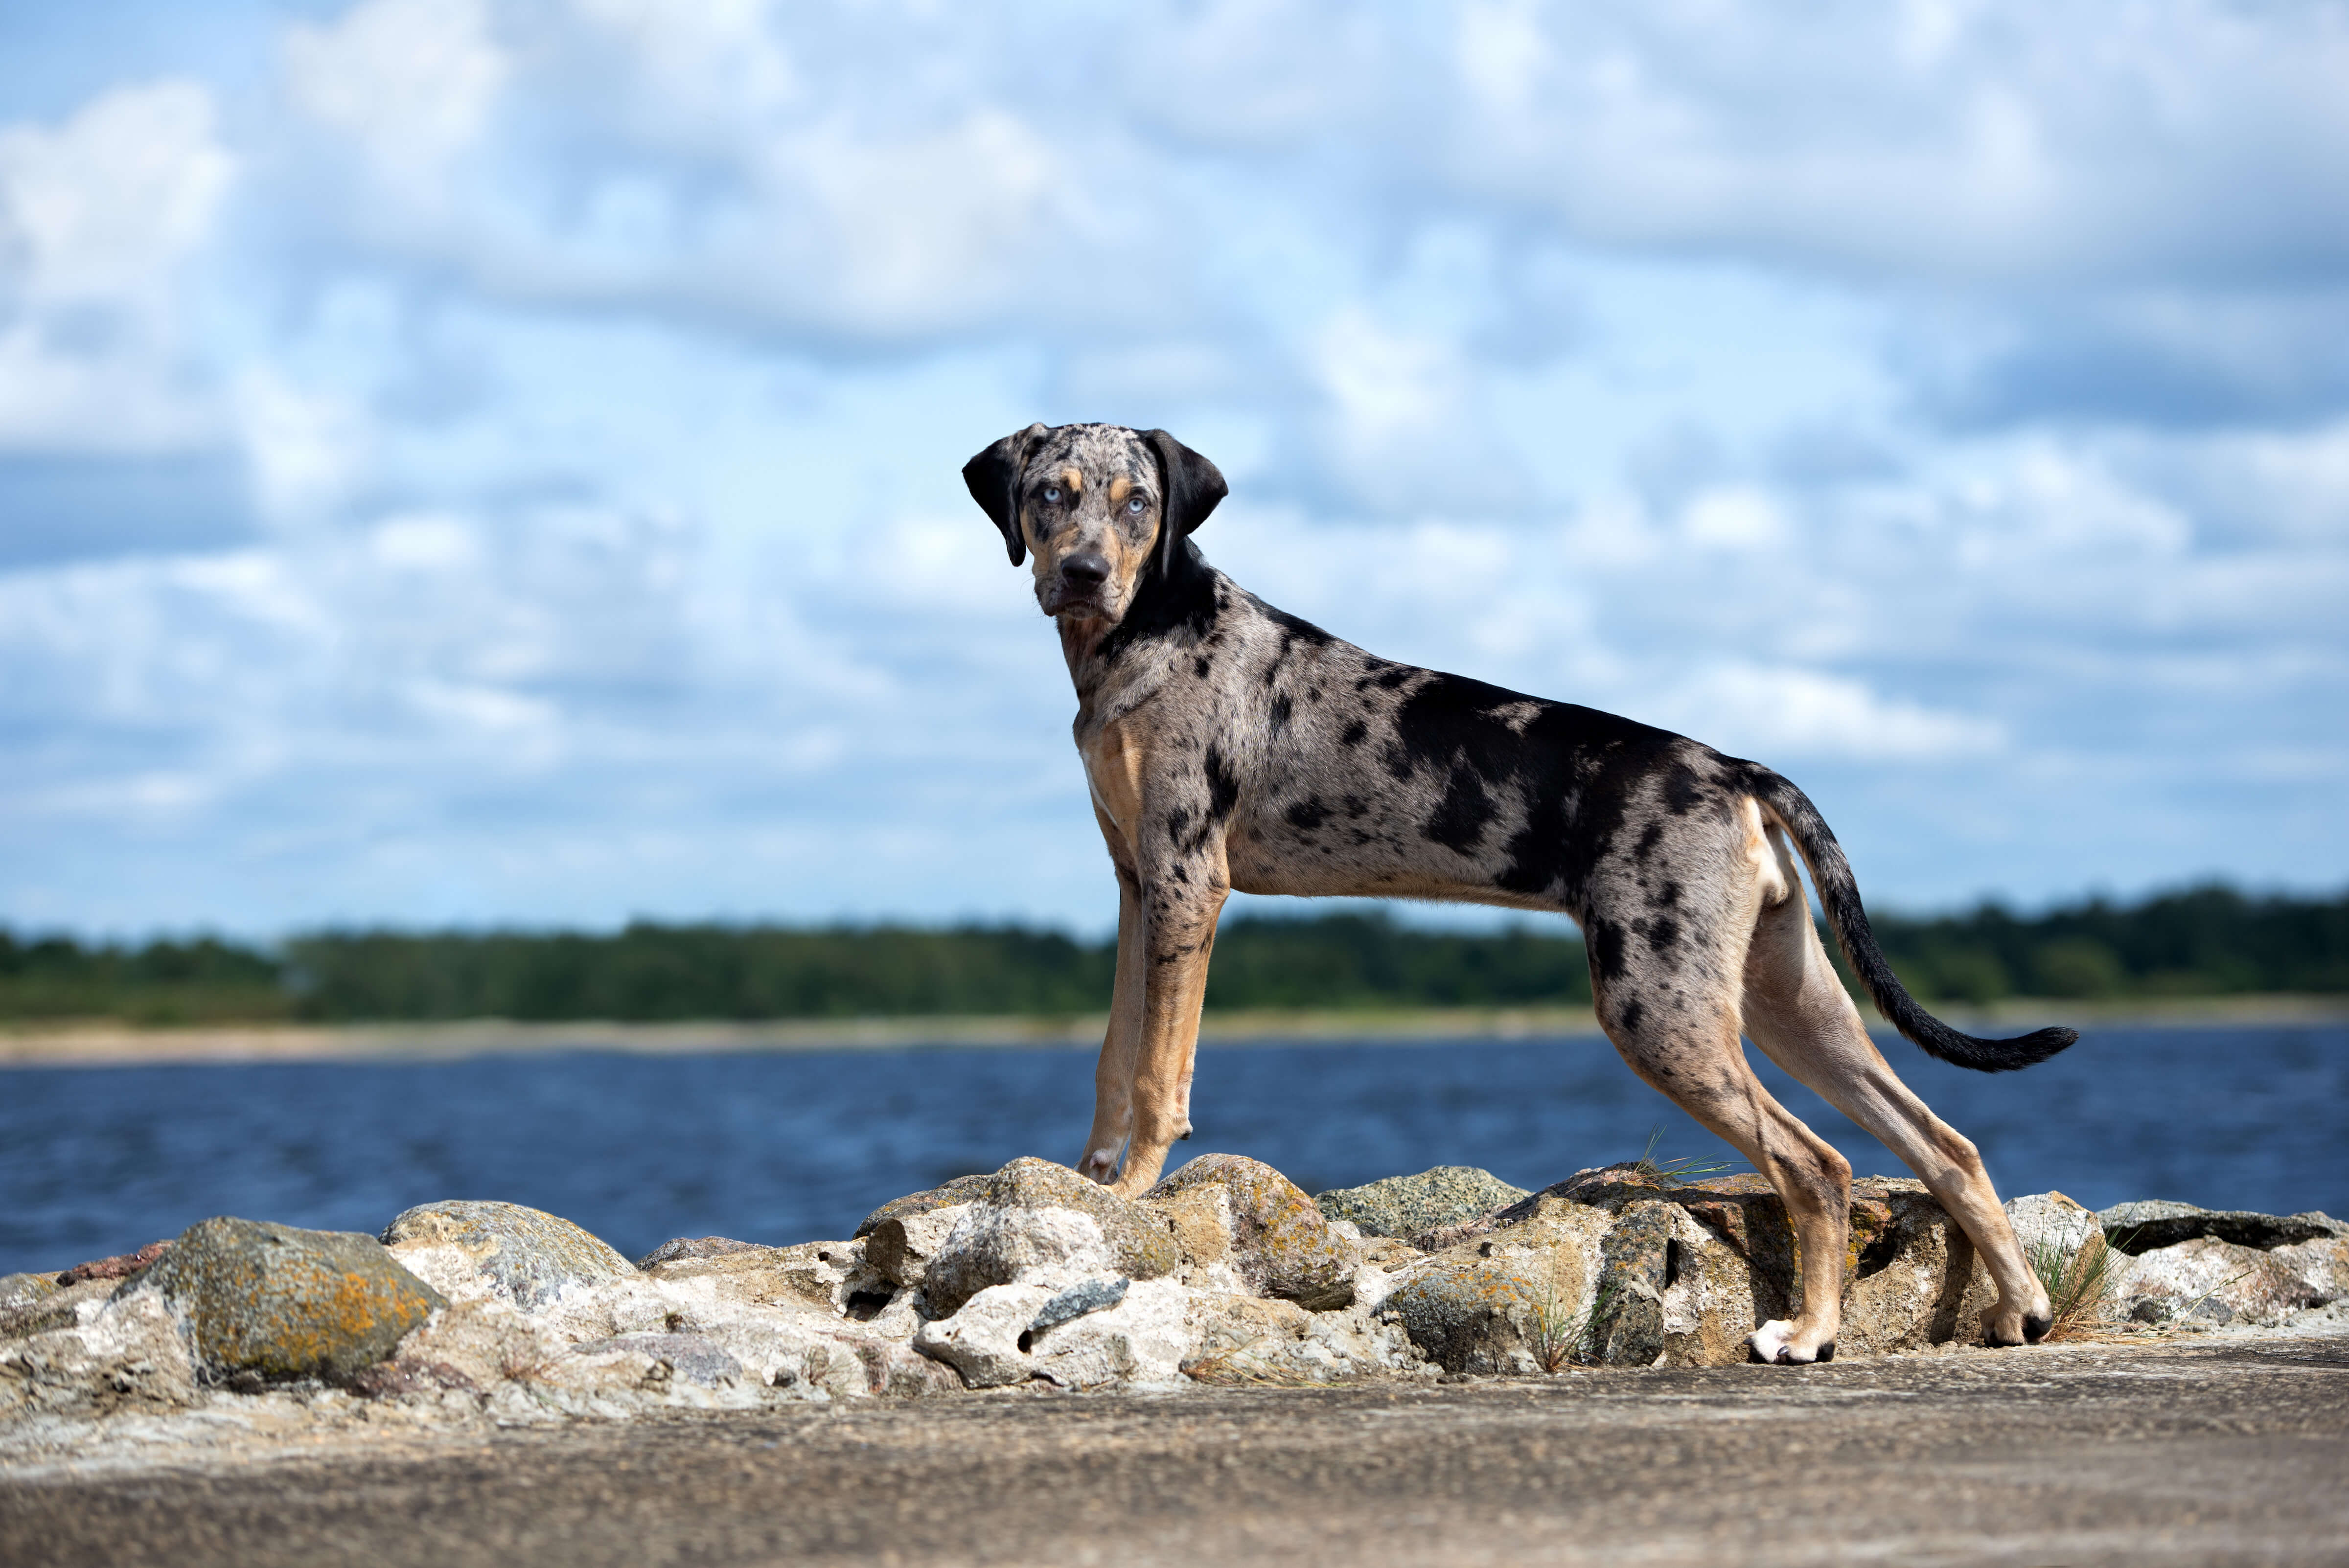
525, 1256
280, 1303
1410, 1206
1034, 1214
1281, 1244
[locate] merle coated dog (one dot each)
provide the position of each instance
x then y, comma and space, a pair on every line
1231, 746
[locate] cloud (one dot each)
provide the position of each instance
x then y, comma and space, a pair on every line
503, 463
100, 219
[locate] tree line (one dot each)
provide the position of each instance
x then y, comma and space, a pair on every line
2203, 941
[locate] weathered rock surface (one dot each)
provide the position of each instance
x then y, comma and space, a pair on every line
126, 1355
1407, 1206
281, 1302
1225, 1273
961, 1189
1033, 1214
2144, 1227
525, 1256
677, 1247
121, 1266
1281, 1244
1623, 1267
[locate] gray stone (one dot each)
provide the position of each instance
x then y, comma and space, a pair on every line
38, 1310
1409, 1206
22, 1290
525, 1256
961, 1189
1033, 1213
681, 1247
2148, 1226
281, 1303
691, 1357
1092, 1296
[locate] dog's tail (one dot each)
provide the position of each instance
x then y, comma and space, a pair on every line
1839, 894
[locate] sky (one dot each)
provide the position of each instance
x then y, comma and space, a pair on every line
472, 462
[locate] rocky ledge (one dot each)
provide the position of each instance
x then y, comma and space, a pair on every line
1034, 1278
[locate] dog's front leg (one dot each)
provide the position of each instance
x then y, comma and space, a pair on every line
1122, 1044
1178, 932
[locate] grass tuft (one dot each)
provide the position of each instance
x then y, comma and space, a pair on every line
2079, 1288
1684, 1172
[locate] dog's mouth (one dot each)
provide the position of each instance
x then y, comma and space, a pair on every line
1090, 603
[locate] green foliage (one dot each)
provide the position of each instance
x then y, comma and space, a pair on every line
2200, 942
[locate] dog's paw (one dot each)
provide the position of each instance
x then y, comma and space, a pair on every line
1775, 1343
1101, 1166
1768, 1343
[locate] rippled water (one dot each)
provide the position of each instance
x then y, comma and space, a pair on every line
797, 1146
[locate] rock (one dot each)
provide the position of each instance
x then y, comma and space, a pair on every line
2144, 1227
1035, 1215
1281, 1244
118, 1267
2049, 1222
692, 1356
961, 1189
813, 1275
48, 1306
1079, 1300
1620, 1266
678, 1247
22, 1290
409, 1375
129, 1355
900, 1247
2258, 1287
527, 1256
1409, 1206
285, 1302
987, 1338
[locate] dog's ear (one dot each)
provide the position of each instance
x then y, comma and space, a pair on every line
993, 480
1190, 487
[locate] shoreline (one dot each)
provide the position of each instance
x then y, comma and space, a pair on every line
108, 1043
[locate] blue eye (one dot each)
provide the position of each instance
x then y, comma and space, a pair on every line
1137, 505
1052, 493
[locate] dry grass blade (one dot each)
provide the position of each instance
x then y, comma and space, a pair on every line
2079, 1288
1559, 1332
1678, 1172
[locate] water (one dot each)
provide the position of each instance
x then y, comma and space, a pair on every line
799, 1146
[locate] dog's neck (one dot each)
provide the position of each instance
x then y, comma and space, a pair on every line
1181, 601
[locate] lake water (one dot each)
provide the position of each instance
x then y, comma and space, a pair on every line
798, 1146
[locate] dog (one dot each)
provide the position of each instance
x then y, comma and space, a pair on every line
1229, 745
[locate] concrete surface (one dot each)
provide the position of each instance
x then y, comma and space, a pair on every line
2195, 1453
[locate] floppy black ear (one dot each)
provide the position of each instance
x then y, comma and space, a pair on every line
1191, 487
993, 480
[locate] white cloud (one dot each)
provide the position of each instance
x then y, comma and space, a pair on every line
1799, 713
100, 219
411, 82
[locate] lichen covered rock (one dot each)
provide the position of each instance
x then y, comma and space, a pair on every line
1281, 1244
677, 1247
283, 1302
127, 1356
525, 1256
961, 1189
2144, 1227
1408, 1206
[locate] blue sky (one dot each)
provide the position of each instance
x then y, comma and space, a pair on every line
496, 461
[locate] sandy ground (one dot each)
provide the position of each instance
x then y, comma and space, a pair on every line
2179, 1453
111, 1043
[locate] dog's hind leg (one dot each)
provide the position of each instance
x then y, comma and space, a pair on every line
1683, 1038
1122, 1044
1799, 1014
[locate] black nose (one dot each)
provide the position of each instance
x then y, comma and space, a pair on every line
1085, 571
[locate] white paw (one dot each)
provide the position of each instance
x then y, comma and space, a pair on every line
1101, 1165
1769, 1341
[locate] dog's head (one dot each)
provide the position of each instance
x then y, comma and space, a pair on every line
1103, 508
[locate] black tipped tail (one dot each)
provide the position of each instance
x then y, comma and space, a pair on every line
1839, 896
